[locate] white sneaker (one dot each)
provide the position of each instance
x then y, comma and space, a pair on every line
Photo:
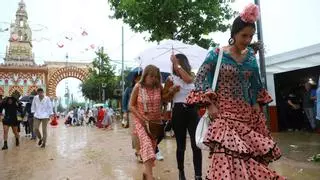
159, 156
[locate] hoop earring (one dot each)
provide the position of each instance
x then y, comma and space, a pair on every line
231, 41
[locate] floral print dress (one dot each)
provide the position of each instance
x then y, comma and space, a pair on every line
240, 144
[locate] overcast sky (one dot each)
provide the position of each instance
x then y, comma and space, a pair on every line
287, 25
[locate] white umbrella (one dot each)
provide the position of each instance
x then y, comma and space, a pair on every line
160, 55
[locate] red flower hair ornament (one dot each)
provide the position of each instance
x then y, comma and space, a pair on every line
250, 14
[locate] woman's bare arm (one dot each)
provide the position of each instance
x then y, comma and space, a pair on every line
133, 103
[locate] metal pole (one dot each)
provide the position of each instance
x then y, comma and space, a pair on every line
67, 95
262, 60
261, 51
100, 69
122, 69
103, 85
103, 96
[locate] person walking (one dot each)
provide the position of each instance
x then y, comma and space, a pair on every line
11, 108
184, 116
241, 146
30, 117
308, 103
145, 106
42, 109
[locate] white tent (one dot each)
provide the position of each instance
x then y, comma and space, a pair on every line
293, 60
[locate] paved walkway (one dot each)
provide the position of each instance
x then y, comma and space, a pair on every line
88, 153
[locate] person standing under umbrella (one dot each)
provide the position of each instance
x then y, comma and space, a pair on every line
43, 111
184, 116
11, 108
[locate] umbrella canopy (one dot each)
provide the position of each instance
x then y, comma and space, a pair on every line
160, 55
99, 104
164, 76
138, 71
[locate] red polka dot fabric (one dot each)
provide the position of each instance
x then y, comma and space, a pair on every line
241, 146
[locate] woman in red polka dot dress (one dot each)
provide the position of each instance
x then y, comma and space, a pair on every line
241, 146
145, 105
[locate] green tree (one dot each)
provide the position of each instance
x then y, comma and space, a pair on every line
126, 81
90, 88
77, 104
60, 107
101, 72
186, 20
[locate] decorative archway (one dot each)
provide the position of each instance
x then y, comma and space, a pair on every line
16, 88
62, 73
1, 91
32, 89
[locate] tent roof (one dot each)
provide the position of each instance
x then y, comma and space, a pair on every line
293, 60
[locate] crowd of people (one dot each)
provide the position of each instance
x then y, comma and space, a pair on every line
100, 117
298, 108
37, 111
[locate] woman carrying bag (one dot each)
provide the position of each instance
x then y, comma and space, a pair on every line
145, 108
241, 146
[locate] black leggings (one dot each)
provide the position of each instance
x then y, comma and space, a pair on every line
158, 142
27, 127
186, 118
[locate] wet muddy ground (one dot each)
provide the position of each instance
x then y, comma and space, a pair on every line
88, 153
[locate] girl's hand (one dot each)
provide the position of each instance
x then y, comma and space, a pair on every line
175, 62
173, 59
256, 108
213, 110
174, 89
210, 96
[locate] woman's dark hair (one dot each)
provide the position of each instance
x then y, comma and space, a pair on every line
40, 90
238, 24
14, 100
184, 63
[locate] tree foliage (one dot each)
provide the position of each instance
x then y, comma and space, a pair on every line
185, 20
60, 107
76, 104
101, 72
126, 72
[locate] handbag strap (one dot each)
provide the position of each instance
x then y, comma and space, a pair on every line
143, 96
217, 70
